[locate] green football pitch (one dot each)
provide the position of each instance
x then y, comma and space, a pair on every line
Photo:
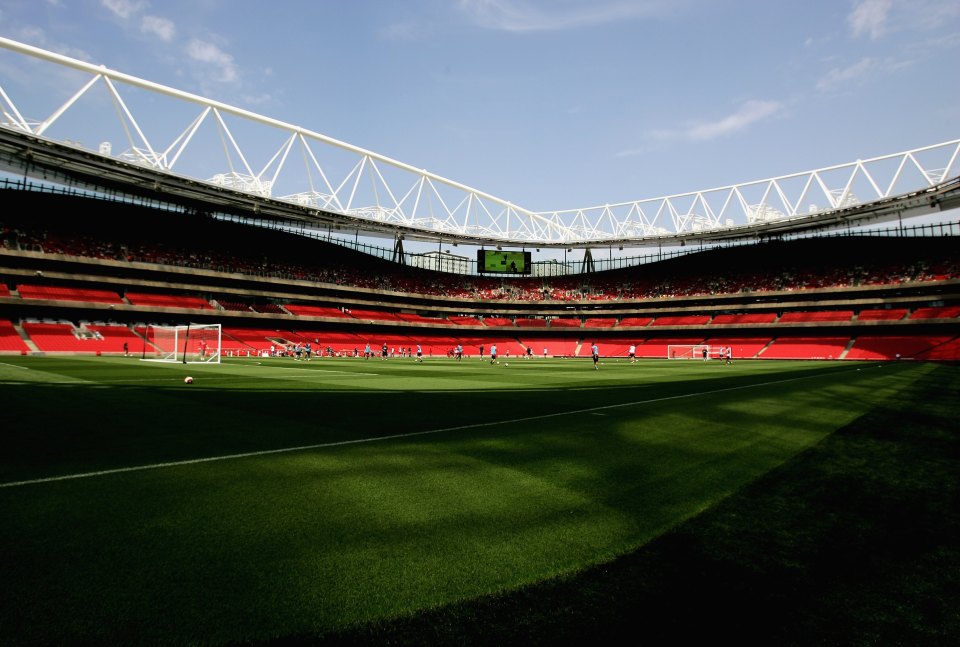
348, 497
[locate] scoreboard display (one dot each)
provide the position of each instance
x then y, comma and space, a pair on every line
490, 261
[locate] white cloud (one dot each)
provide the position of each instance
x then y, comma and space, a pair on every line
869, 17
206, 52
122, 8
840, 75
160, 27
534, 15
749, 113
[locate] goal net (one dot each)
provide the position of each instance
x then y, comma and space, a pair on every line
189, 344
690, 351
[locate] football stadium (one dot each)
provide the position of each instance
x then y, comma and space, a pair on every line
240, 404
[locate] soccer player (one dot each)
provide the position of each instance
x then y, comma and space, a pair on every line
307, 349
419, 354
596, 356
459, 352
481, 351
633, 353
366, 351
493, 353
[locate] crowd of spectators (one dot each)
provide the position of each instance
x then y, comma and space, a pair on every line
237, 249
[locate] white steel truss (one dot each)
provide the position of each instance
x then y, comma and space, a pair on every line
336, 177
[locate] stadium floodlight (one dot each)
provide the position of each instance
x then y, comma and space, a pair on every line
187, 344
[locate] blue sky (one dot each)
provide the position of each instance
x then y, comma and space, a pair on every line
552, 104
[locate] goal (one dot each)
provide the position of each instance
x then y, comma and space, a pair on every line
189, 344
689, 351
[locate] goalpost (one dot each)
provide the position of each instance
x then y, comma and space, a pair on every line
189, 344
691, 351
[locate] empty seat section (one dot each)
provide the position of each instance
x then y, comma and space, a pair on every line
882, 315
531, 323
249, 339
465, 321
561, 322
682, 320
806, 348
816, 316
942, 312
9, 338
167, 300
498, 322
113, 338
59, 293
888, 347
600, 322
635, 321
948, 350
745, 318
60, 337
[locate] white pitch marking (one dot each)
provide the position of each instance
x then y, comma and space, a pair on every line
359, 441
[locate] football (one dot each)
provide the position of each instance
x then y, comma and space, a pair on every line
507, 364
188, 380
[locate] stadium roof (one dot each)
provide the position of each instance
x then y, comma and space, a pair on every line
326, 183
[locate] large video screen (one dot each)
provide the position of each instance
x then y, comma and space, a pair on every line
493, 261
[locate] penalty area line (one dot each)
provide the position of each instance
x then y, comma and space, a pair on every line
411, 434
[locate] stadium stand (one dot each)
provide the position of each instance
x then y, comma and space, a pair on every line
892, 314
938, 312
156, 300
899, 347
684, 320
738, 319
600, 322
635, 321
63, 293
10, 340
528, 322
806, 348
815, 316
239, 274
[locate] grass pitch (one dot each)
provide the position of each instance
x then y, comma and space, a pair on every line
356, 500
